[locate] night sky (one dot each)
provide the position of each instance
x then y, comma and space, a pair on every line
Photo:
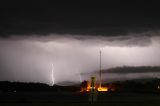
39, 38
107, 19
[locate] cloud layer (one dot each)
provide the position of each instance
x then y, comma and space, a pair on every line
30, 58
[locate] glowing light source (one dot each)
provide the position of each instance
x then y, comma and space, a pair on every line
102, 89
99, 89
88, 88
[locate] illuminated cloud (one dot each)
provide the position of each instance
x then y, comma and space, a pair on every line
29, 58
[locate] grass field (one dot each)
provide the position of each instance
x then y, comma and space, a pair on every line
78, 99
85, 104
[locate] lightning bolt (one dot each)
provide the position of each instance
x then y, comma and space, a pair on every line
52, 70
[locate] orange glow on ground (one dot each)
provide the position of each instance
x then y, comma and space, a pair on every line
88, 88
102, 89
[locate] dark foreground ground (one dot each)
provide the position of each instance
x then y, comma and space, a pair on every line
78, 99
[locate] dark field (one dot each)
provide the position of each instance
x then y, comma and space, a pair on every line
77, 99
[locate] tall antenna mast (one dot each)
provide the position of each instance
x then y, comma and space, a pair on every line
100, 70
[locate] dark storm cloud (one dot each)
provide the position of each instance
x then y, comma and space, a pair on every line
128, 70
46, 17
132, 70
